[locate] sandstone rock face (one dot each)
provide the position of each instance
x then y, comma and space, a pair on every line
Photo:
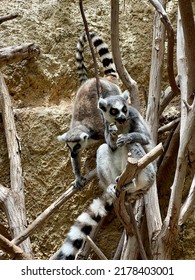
43, 91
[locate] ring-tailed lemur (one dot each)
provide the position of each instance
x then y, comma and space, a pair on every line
111, 161
87, 124
125, 132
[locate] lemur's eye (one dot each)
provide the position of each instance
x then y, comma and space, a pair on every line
124, 109
113, 111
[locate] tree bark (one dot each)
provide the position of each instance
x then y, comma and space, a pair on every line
129, 83
14, 54
13, 250
169, 231
187, 19
14, 196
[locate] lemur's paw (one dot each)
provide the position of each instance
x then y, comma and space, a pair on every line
111, 190
79, 183
122, 140
113, 129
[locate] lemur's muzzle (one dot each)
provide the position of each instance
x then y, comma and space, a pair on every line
121, 120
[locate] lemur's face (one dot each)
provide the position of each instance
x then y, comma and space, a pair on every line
75, 140
115, 108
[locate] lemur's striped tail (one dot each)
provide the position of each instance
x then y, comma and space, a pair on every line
83, 226
104, 54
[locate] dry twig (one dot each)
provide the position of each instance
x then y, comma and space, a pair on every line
91, 47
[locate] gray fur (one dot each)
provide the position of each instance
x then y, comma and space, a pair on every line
125, 132
87, 125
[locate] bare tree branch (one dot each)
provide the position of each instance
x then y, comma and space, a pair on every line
18, 53
96, 249
16, 252
8, 17
189, 205
16, 222
133, 167
49, 211
169, 231
187, 19
152, 113
170, 33
91, 47
169, 126
129, 83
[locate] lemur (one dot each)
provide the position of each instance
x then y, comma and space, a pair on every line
125, 131
87, 125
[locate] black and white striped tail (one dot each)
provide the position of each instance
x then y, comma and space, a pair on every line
104, 54
83, 226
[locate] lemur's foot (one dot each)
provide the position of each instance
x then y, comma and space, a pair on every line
111, 190
79, 183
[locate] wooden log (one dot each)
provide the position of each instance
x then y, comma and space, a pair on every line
14, 54
16, 216
16, 252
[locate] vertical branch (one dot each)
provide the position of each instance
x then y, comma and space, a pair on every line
91, 47
188, 205
170, 36
153, 215
16, 178
187, 19
152, 114
130, 84
170, 227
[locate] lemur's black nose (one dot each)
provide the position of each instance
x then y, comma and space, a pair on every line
121, 119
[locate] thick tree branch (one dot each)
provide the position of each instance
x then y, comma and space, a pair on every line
189, 205
188, 24
170, 34
16, 252
152, 112
14, 54
133, 167
16, 194
129, 83
169, 231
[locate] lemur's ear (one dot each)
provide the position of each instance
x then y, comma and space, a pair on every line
102, 104
62, 137
84, 136
125, 94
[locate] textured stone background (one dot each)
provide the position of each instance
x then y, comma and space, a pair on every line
42, 92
